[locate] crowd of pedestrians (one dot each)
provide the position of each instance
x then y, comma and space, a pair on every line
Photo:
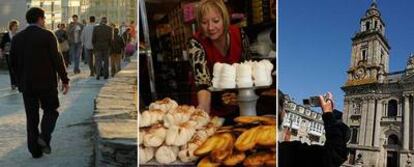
99, 44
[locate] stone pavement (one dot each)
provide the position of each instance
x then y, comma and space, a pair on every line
116, 120
72, 143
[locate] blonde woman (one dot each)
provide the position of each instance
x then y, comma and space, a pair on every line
216, 41
5, 49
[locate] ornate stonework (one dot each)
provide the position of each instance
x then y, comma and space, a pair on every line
378, 104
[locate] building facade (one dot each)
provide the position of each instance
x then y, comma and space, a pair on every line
117, 11
53, 11
300, 123
378, 104
12, 10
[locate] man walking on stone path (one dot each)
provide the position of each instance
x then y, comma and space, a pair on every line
86, 38
102, 40
37, 63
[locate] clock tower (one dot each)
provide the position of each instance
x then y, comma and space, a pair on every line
370, 50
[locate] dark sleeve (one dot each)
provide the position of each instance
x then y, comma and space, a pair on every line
14, 59
94, 36
198, 63
336, 133
3, 41
57, 59
246, 54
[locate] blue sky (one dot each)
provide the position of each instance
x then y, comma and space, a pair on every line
315, 42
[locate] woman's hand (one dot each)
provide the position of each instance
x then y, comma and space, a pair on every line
327, 103
204, 100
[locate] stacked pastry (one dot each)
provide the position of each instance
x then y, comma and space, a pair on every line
249, 143
168, 131
242, 75
262, 73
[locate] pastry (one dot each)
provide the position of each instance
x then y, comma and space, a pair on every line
247, 140
178, 115
266, 135
164, 105
255, 119
258, 159
145, 154
234, 159
155, 136
181, 134
201, 118
210, 144
166, 154
206, 162
244, 75
151, 117
224, 148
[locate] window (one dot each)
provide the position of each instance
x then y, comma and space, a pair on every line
375, 24
354, 135
393, 140
392, 108
364, 55
367, 25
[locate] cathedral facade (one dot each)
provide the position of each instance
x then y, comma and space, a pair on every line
378, 104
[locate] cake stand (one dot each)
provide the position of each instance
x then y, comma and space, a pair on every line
246, 98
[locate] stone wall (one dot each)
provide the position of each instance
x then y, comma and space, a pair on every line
115, 119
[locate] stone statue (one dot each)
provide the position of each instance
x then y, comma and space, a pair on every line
410, 65
408, 162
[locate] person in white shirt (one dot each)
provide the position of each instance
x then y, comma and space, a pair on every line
74, 31
86, 39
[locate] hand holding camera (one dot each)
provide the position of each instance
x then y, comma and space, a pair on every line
325, 102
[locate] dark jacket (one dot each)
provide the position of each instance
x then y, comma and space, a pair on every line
332, 154
117, 45
61, 35
5, 40
36, 60
102, 37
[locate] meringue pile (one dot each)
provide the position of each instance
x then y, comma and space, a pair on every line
243, 75
168, 131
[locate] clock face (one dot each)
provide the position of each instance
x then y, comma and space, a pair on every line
359, 73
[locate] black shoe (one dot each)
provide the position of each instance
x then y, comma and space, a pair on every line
44, 146
37, 155
106, 77
97, 78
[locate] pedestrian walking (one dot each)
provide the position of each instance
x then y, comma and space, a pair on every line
126, 37
116, 50
62, 37
5, 49
102, 39
38, 63
74, 31
86, 39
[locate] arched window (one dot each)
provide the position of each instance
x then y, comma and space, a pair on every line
367, 25
392, 108
393, 140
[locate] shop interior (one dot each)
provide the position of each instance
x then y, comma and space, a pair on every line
167, 25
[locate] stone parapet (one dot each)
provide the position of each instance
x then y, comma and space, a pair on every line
115, 118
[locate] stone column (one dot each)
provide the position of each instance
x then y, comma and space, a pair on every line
406, 124
363, 122
377, 131
370, 122
412, 123
346, 113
